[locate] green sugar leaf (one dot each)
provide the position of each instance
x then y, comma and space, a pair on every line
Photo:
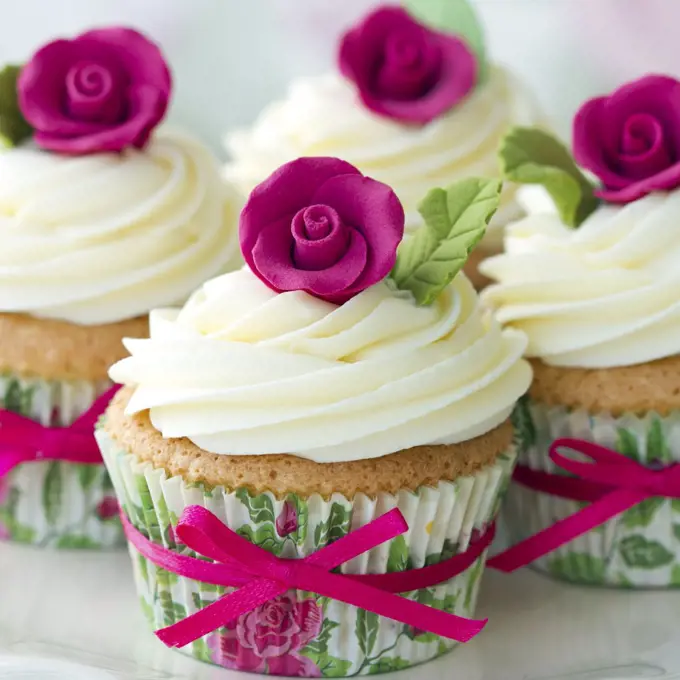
457, 17
533, 156
455, 221
14, 128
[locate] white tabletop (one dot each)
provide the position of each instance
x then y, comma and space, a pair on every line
74, 616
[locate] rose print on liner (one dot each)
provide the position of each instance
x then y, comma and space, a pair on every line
631, 139
269, 639
287, 521
319, 225
102, 91
405, 70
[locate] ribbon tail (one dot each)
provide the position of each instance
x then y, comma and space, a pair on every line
395, 607
220, 613
565, 530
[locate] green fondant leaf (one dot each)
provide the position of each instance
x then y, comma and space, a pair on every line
457, 17
13, 126
642, 514
637, 551
675, 575
676, 531
367, 630
52, 492
627, 444
675, 505
533, 156
455, 221
579, 567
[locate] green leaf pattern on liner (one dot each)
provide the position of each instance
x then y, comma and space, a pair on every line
14, 128
455, 221
459, 18
639, 547
378, 647
533, 156
52, 503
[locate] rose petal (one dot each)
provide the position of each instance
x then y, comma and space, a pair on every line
273, 264
141, 57
588, 127
643, 150
329, 246
146, 105
663, 181
286, 191
374, 210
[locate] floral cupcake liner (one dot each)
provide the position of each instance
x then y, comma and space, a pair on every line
52, 503
301, 634
639, 548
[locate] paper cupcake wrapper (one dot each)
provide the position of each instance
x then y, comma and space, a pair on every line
639, 548
56, 504
318, 637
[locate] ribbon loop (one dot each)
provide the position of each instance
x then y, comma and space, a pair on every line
611, 482
262, 576
23, 440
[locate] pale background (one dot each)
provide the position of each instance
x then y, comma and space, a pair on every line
230, 57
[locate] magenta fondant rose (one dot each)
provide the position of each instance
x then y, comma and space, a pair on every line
269, 639
319, 225
102, 91
405, 70
631, 139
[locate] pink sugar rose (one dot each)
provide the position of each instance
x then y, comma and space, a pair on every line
269, 639
405, 70
105, 90
319, 225
631, 139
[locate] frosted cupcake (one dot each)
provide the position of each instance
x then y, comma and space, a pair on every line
302, 397
594, 285
414, 103
100, 220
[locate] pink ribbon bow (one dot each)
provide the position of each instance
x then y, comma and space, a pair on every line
23, 440
610, 481
261, 576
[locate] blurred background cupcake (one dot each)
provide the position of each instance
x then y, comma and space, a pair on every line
101, 219
305, 395
412, 100
594, 285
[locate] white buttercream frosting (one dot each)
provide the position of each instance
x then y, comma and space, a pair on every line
322, 116
242, 370
603, 295
104, 237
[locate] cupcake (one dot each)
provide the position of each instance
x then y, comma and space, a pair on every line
593, 283
100, 220
298, 399
413, 103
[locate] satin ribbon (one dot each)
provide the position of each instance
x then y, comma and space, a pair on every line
609, 481
23, 440
261, 576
